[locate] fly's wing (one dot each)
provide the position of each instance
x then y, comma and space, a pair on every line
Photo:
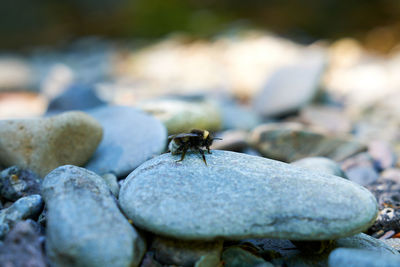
180, 136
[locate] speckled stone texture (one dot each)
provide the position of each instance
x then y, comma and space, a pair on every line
239, 196
84, 225
130, 138
43, 144
351, 257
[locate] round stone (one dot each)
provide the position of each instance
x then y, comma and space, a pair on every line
43, 144
239, 196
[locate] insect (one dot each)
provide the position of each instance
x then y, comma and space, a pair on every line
195, 140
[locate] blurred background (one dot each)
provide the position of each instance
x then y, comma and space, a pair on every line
329, 62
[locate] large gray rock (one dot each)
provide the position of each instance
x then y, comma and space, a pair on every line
351, 257
43, 144
84, 224
291, 87
23, 208
239, 196
291, 141
130, 138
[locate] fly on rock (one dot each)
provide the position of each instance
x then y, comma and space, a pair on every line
196, 140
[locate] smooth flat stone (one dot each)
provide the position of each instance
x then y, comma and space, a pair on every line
84, 225
240, 196
130, 138
43, 144
291, 87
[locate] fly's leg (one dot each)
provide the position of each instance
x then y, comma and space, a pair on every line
208, 149
202, 155
183, 154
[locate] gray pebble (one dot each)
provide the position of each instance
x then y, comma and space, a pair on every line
84, 224
23, 208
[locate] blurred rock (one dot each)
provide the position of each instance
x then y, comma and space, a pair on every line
291, 87
23, 208
332, 120
321, 164
15, 105
360, 169
382, 154
43, 144
184, 253
76, 97
22, 247
16, 183
233, 140
130, 138
238, 117
290, 142
183, 115
15, 74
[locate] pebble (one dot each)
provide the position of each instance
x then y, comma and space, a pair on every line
360, 169
23, 208
232, 140
227, 199
16, 183
238, 117
181, 115
43, 144
112, 183
329, 119
358, 257
321, 164
184, 253
22, 247
130, 138
84, 225
76, 97
291, 87
382, 154
238, 257
291, 141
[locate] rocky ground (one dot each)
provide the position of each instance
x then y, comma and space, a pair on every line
306, 173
